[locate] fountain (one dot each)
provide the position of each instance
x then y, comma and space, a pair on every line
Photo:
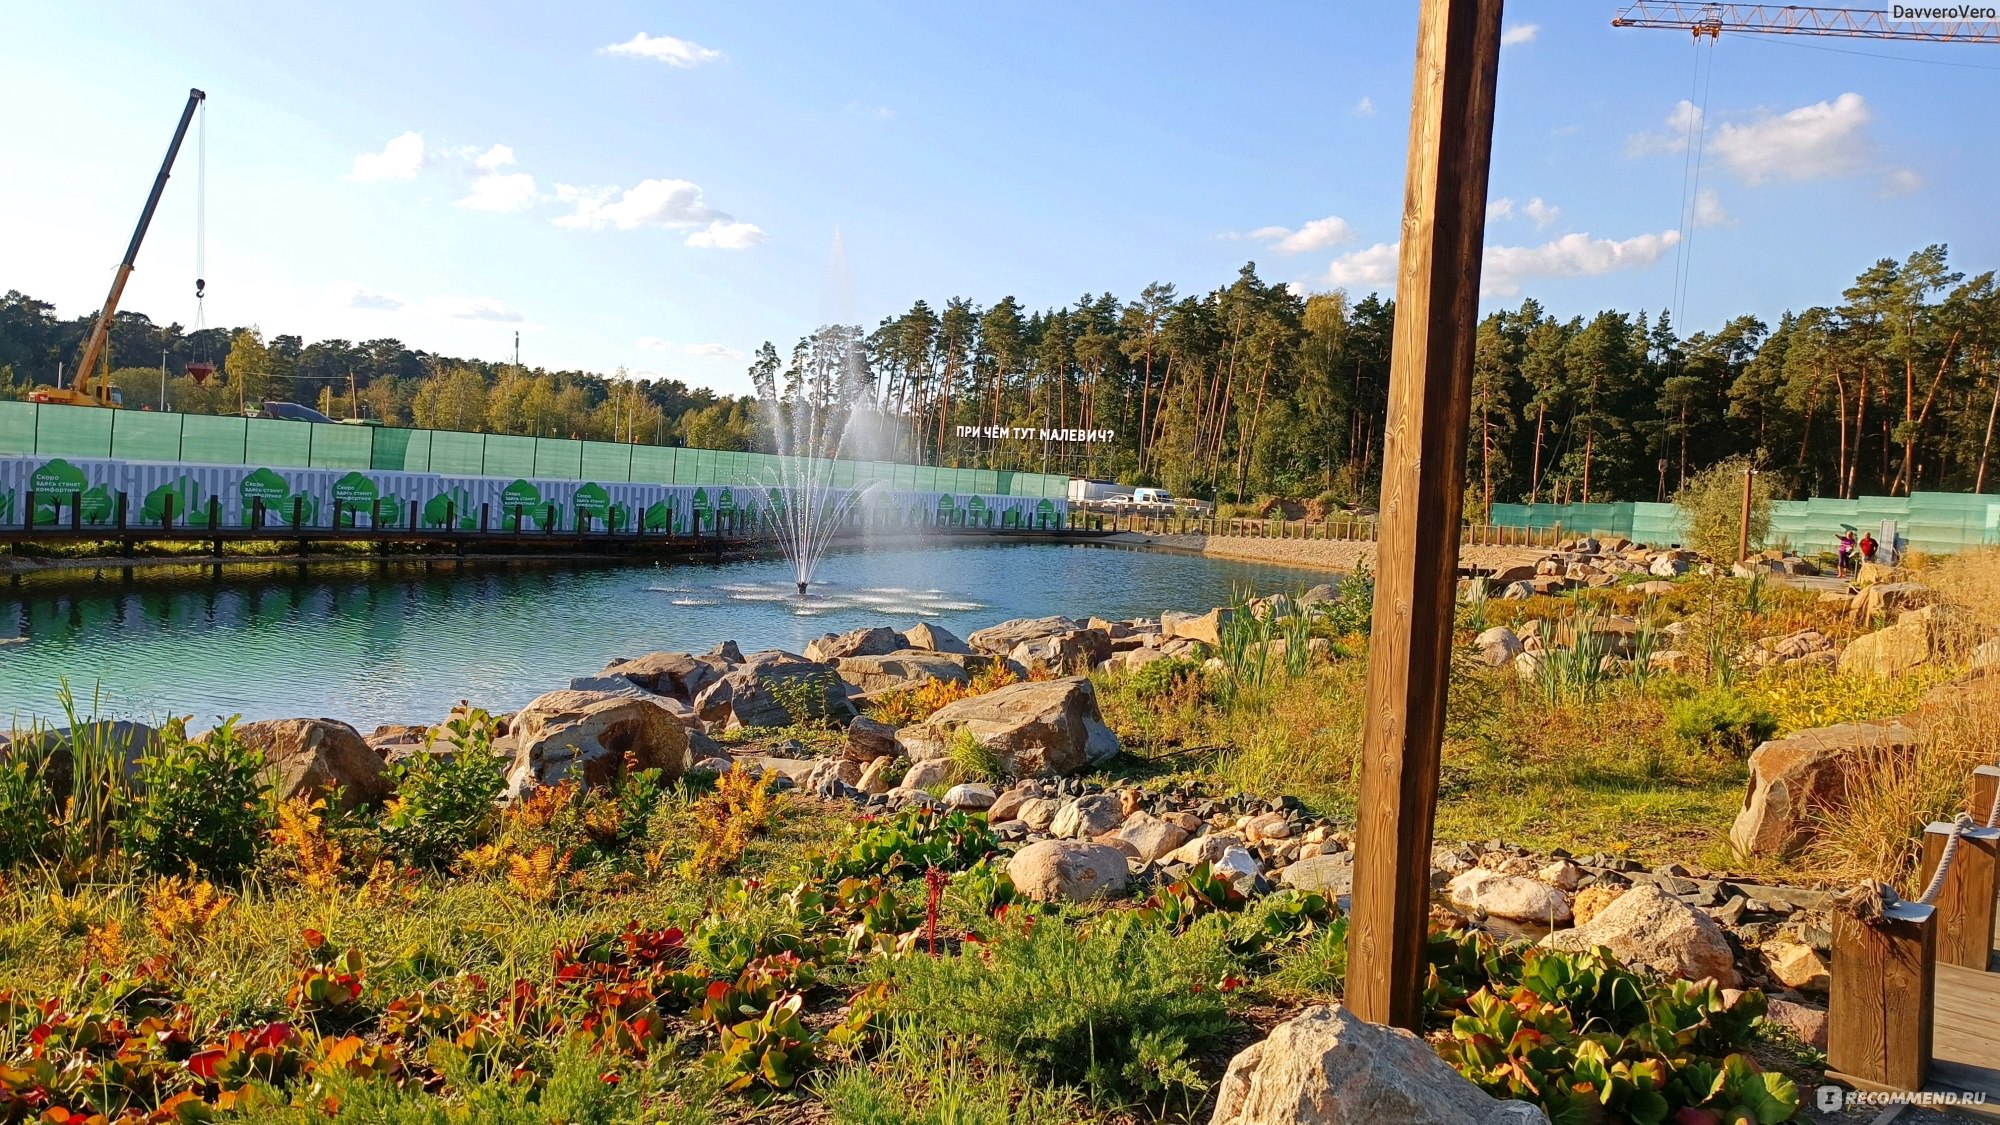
811, 421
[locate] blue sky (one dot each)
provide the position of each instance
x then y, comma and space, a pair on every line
667, 204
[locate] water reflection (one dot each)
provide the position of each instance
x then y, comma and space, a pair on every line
374, 643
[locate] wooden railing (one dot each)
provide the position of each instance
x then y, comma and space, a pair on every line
1882, 1006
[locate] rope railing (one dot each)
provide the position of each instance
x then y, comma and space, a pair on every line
1959, 828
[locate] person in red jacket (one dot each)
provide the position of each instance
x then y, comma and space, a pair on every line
1868, 546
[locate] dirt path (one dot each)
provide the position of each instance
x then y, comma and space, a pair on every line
1335, 556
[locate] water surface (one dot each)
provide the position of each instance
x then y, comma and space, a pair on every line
401, 642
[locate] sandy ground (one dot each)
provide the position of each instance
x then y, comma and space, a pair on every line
1334, 556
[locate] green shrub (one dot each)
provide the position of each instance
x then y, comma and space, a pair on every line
974, 760
1353, 606
444, 803
27, 809
1120, 1006
1709, 507
1721, 719
910, 843
200, 804
1158, 679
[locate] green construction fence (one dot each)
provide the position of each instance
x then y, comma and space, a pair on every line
84, 431
1934, 522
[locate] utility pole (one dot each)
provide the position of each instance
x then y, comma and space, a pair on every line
353, 409
1743, 529
1423, 492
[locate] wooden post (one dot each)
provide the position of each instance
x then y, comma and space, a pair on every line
1965, 902
1423, 485
1743, 529
1985, 784
1878, 1014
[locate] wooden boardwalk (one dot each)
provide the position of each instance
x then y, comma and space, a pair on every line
1965, 1035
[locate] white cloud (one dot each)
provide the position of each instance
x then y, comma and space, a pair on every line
499, 156
1542, 213
663, 48
712, 351
401, 159
354, 296
1375, 266
726, 234
1826, 140
1708, 211
474, 308
1901, 181
1572, 255
1315, 235
649, 203
1518, 34
1365, 107
1497, 209
497, 191
655, 343
1506, 267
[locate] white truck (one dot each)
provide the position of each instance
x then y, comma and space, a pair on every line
1085, 491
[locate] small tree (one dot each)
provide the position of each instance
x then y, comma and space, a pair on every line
1710, 507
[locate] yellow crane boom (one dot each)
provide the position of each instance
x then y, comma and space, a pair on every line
1791, 19
80, 392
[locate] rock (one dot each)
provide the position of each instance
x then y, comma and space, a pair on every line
1001, 639
130, 741
1910, 643
1038, 813
1447, 860
1884, 600
1668, 564
1591, 901
1202, 628
1063, 653
1987, 655
929, 774
1007, 806
1151, 838
935, 638
1802, 1020
1087, 817
1872, 573
1329, 875
1647, 927
1067, 871
586, 736
1517, 591
868, 740
1562, 875
712, 765
1326, 1067
903, 668
879, 641
1037, 727
1796, 780
1498, 645
1267, 826
1318, 595
1796, 966
1207, 849
970, 797
726, 653
875, 776
313, 757
750, 694
1514, 897
670, 673
1236, 863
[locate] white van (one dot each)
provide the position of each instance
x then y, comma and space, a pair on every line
1152, 497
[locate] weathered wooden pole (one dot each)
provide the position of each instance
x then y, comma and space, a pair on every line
1423, 485
1965, 900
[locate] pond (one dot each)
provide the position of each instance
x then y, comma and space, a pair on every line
401, 642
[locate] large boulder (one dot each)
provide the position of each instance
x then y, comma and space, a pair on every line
759, 691
935, 638
1037, 727
999, 640
1648, 928
1799, 779
1884, 600
1326, 1067
675, 674
879, 641
1514, 897
1087, 818
1152, 838
122, 738
1498, 645
1910, 643
1067, 871
1330, 875
900, 669
587, 736
314, 757
1205, 628
868, 740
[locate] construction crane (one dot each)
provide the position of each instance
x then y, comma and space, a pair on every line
86, 388
1792, 19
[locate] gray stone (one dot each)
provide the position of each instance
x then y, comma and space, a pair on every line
970, 797
314, 757
1088, 817
1068, 871
1514, 897
1046, 727
587, 736
670, 673
746, 696
903, 668
1326, 1067
1329, 875
1038, 813
868, 740
935, 638
927, 774
879, 641
1647, 927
